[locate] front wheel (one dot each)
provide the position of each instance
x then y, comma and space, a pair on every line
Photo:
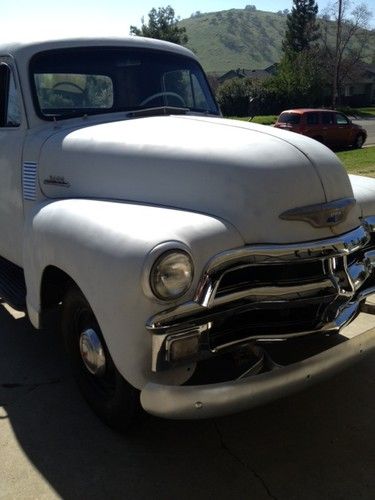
114, 400
358, 143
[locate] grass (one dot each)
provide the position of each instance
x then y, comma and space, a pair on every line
358, 112
359, 161
262, 119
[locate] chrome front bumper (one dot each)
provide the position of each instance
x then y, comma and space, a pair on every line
213, 400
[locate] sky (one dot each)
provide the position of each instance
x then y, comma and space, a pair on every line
41, 19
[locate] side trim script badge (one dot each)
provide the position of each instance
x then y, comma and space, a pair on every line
323, 214
56, 180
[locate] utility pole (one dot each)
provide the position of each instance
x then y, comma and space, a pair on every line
337, 56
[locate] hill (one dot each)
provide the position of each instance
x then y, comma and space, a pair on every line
236, 38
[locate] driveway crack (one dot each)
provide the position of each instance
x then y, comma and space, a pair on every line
230, 452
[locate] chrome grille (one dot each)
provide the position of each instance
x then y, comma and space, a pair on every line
274, 292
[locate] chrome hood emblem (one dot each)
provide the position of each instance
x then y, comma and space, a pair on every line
322, 214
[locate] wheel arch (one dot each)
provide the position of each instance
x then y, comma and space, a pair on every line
53, 286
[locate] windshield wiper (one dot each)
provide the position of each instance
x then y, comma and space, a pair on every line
160, 110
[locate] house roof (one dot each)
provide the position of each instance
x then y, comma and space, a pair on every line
255, 74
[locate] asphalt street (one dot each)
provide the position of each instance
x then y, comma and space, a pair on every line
318, 444
369, 125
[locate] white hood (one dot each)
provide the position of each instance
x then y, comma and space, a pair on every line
243, 173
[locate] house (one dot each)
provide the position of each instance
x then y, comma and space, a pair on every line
359, 90
254, 74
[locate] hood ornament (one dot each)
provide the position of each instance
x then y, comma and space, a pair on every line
322, 214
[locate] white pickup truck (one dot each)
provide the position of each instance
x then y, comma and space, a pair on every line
202, 265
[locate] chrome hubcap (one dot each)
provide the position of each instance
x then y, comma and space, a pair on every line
92, 352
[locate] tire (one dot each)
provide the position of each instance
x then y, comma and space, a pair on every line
108, 394
359, 141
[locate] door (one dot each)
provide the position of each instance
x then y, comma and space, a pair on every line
12, 133
344, 129
328, 129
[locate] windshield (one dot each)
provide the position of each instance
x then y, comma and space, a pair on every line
74, 82
292, 118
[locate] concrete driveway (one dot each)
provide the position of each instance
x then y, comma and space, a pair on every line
318, 444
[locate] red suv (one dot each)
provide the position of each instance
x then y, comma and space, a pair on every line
330, 127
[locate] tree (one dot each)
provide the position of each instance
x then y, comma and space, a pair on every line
299, 72
162, 24
234, 96
345, 56
302, 28
300, 79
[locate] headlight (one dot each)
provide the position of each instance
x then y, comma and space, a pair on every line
171, 275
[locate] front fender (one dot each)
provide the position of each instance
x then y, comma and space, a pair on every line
102, 246
364, 193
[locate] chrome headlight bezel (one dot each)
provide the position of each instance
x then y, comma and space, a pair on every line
155, 258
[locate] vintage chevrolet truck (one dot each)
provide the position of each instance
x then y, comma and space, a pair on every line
202, 266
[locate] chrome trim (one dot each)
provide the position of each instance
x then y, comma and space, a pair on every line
370, 223
152, 257
341, 287
259, 254
160, 359
323, 214
92, 352
280, 292
162, 343
213, 400
349, 243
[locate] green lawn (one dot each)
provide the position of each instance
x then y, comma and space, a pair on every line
359, 161
262, 119
359, 112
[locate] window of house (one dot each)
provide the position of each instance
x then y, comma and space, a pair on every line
10, 113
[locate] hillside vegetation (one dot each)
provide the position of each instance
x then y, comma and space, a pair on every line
237, 38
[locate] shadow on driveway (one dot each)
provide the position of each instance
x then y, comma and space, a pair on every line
318, 444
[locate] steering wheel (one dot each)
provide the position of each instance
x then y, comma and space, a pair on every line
163, 94
72, 84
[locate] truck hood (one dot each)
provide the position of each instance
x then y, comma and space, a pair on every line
243, 173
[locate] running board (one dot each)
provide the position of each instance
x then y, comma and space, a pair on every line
12, 285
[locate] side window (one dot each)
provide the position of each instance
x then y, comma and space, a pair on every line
328, 118
312, 118
183, 88
199, 97
341, 120
10, 114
